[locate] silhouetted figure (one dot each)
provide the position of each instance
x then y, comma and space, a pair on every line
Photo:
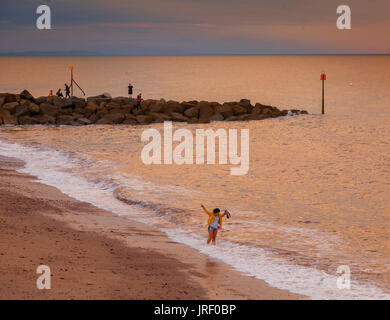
139, 101
67, 91
50, 94
59, 94
130, 90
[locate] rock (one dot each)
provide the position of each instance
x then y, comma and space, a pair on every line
11, 106
66, 111
62, 102
27, 95
94, 118
246, 104
114, 118
156, 107
22, 110
84, 121
9, 97
49, 109
160, 117
239, 110
217, 117
90, 109
2, 101
226, 110
113, 105
178, 117
78, 103
7, 118
187, 105
129, 121
65, 120
33, 108
144, 119
205, 111
40, 100
28, 120
192, 112
304, 112
98, 99
173, 107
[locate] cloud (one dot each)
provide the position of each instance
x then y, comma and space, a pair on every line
196, 26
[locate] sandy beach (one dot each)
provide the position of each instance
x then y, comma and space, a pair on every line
94, 254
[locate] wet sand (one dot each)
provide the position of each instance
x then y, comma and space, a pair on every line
94, 254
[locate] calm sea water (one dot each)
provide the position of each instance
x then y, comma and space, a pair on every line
317, 193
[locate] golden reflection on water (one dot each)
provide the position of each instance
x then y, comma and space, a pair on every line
311, 195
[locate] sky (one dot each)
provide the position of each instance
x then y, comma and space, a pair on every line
194, 27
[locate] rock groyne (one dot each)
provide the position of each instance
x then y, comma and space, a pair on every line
24, 109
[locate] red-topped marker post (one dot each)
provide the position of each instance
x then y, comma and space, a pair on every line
323, 78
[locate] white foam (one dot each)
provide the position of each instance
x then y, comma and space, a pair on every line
53, 168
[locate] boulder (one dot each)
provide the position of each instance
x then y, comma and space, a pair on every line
33, 108
66, 111
84, 121
130, 121
46, 119
63, 103
178, 117
7, 118
41, 100
28, 120
192, 112
160, 117
22, 110
27, 95
217, 117
144, 119
173, 106
78, 102
226, 110
49, 109
156, 107
114, 118
90, 108
65, 120
246, 103
98, 99
205, 111
112, 105
11, 106
187, 105
239, 110
2, 101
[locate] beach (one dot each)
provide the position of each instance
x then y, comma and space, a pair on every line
94, 254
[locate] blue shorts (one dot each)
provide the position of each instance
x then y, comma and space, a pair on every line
211, 228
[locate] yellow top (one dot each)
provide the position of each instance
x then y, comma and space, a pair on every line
212, 217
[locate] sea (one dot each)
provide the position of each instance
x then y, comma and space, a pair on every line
314, 208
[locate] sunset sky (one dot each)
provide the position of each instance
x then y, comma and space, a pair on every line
193, 27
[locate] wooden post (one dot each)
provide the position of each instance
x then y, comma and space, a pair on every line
323, 78
71, 81
323, 96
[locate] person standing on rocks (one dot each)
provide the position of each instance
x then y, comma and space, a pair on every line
50, 94
130, 90
67, 91
139, 101
59, 94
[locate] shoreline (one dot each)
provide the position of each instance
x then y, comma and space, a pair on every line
95, 254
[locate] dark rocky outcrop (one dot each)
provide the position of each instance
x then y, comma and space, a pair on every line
24, 109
